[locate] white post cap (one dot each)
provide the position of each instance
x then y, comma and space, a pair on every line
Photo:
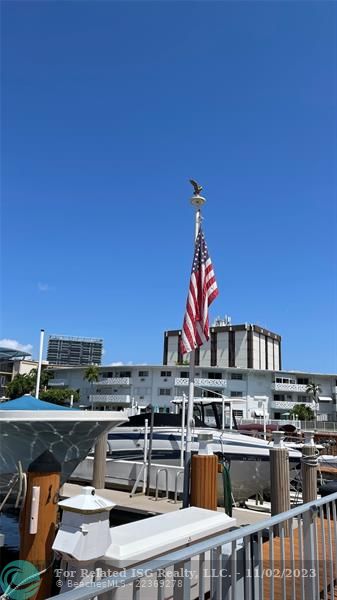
87, 502
204, 440
278, 439
309, 438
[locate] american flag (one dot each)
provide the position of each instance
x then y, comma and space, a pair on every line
202, 291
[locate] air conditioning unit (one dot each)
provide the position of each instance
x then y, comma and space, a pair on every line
142, 378
165, 379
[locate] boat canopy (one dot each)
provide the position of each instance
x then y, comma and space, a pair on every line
28, 402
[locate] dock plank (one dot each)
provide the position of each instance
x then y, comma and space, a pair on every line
281, 570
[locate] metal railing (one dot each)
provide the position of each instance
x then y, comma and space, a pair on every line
291, 556
178, 475
162, 470
328, 426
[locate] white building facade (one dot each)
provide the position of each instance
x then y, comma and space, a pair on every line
252, 390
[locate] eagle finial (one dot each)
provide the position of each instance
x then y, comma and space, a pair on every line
197, 188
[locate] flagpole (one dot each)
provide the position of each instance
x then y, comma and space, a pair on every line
197, 202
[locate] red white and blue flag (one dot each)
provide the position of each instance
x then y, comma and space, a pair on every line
202, 291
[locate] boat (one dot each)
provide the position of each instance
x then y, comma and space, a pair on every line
246, 457
30, 426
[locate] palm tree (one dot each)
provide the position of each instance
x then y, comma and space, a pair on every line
302, 412
314, 390
44, 378
92, 376
20, 385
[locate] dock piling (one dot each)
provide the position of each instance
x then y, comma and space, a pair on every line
99, 468
204, 475
38, 519
309, 468
279, 476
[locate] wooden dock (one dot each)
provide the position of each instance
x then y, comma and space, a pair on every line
148, 505
278, 574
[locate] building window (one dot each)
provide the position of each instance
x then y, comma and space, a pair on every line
279, 397
165, 373
184, 374
213, 349
143, 373
236, 376
165, 392
237, 413
284, 380
209, 394
231, 348
302, 381
236, 394
213, 375
303, 399
125, 374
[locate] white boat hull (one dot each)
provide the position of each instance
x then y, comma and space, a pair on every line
69, 436
247, 459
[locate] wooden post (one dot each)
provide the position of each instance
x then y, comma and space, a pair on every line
99, 470
204, 476
38, 519
309, 468
279, 477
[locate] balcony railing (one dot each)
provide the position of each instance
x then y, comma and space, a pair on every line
289, 387
109, 399
114, 381
289, 403
201, 382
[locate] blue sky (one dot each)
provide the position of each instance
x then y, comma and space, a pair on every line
108, 108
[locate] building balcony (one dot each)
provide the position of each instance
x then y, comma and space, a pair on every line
289, 387
283, 404
202, 383
114, 381
116, 399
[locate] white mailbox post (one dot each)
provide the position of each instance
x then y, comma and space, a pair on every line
83, 536
91, 550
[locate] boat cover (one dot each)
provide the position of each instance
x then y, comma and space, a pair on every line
28, 402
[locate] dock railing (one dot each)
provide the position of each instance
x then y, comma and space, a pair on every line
319, 426
291, 556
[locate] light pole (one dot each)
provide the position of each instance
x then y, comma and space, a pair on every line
38, 376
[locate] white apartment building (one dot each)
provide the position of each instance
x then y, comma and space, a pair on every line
124, 387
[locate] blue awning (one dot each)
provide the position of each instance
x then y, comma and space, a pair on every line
28, 402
